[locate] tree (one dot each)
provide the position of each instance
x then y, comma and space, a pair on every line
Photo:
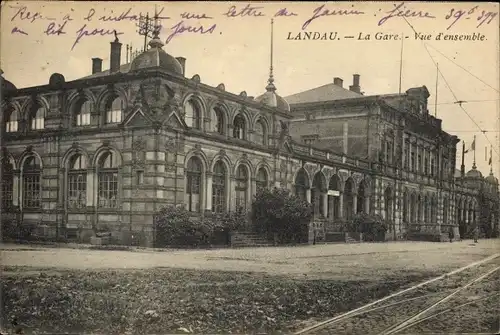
282, 215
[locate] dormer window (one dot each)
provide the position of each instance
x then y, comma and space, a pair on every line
114, 110
82, 113
37, 118
11, 121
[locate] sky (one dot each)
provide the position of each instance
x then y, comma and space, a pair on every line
236, 51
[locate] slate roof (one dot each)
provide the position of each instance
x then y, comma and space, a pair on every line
124, 68
326, 92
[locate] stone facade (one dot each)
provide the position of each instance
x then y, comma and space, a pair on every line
106, 152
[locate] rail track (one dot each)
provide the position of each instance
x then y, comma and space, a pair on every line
418, 305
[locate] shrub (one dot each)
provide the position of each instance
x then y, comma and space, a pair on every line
280, 214
175, 226
373, 227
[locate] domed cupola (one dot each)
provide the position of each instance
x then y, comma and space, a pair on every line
491, 178
155, 56
270, 97
474, 172
7, 86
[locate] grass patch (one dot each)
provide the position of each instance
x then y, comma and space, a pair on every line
165, 300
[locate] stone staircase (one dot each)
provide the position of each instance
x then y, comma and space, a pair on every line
246, 239
349, 239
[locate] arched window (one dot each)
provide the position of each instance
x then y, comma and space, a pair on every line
31, 183
239, 127
445, 211
192, 114
241, 187
301, 184
107, 179
7, 182
193, 184
260, 132
334, 199
217, 120
426, 209
82, 113
348, 198
114, 109
405, 206
413, 208
11, 121
261, 181
77, 182
37, 119
388, 203
219, 188
317, 193
360, 201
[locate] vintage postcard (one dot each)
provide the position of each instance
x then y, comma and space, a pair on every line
250, 167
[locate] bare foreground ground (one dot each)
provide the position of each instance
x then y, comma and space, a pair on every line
261, 290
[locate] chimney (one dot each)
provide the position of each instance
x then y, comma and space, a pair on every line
355, 84
114, 59
337, 81
96, 65
182, 61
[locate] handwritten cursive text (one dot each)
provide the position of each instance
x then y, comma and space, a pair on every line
322, 11
401, 11
83, 31
52, 30
248, 10
24, 15
19, 31
189, 16
284, 12
180, 28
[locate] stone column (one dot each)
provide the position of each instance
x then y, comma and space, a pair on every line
308, 195
15, 188
208, 193
341, 205
354, 203
330, 206
231, 195
91, 180
325, 204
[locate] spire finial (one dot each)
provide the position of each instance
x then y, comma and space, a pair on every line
474, 148
270, 82
155, 41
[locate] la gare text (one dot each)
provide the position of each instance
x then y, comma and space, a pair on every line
381, 36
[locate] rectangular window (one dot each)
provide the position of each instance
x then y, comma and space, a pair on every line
31, 191
419, 162
77, 190
11, 126
108, 189
83, 119
114, 116
37, 123
218, 195
139, 177
193, 191
412, 162
7, 191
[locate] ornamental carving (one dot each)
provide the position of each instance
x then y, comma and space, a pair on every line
171, 144
139, 145
283, 166
170, 167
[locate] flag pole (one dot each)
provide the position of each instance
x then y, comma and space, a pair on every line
462, 168
436, 97
474, 148
401, 63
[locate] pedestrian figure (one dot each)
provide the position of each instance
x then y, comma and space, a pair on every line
450, 234
476, 234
